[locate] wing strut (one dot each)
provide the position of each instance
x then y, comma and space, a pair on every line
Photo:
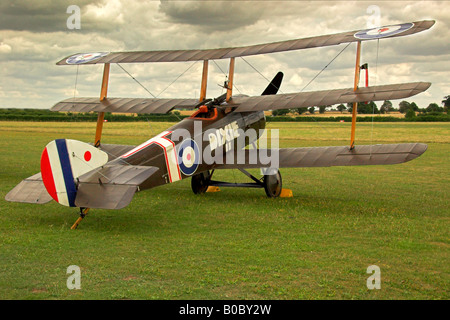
204, 81
355, 87
98, 131
230, 79
103, 94
101, 115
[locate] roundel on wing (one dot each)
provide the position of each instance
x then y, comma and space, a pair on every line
382, 32
85, 57
188, 157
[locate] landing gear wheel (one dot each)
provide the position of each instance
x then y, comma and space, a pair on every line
200, 182
273, 185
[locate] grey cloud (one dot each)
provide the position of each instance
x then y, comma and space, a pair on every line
212, 15
34, 36
42, 15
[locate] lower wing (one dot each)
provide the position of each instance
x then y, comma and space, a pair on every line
380, 154
113, 186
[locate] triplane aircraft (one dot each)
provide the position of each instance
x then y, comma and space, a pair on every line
98, 175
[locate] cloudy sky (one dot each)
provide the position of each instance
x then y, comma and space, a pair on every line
34, 36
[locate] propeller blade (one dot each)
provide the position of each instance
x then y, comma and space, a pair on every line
274, 85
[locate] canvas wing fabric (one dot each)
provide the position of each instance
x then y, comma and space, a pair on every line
382, 154
29, 190
247, 104
328, 97
224, 53
124, 105
112, 186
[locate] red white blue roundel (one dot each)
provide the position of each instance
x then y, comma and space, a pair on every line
382, 32
85, 57
188, 157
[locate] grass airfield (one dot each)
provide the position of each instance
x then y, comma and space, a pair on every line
236, 243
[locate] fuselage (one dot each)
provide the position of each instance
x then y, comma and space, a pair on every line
195, 144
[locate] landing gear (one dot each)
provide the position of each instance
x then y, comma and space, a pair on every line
200, 182
273, 185
83, 213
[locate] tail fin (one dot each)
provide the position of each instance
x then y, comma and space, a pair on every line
62, 162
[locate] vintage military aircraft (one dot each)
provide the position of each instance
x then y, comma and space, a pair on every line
98, 175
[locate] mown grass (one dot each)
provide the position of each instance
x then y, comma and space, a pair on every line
237, 244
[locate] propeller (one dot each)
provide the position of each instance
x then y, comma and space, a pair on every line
212, 102
274, 85
271, 89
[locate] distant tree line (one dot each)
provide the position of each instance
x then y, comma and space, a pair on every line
408, 108
12, 114
412, 112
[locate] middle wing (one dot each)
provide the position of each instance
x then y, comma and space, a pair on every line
124, 105
245, 104
328, 97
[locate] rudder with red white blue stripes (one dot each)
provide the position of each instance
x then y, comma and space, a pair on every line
64, 160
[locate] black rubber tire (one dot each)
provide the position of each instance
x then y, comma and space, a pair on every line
273, 185
199, 182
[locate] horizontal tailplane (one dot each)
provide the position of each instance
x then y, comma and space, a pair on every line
29, 190
112, 186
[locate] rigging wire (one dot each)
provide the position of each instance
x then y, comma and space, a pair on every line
136, 80
259, 73
226, 77
114, 156
76, 81
177, 78
376, 62
92, 167
220, 68
325, 67
176, 81
373, 106
315, 77
164, 88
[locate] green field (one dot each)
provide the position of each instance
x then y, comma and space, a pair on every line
236, 243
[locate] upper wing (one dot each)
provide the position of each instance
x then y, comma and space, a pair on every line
223, 53
328, 97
